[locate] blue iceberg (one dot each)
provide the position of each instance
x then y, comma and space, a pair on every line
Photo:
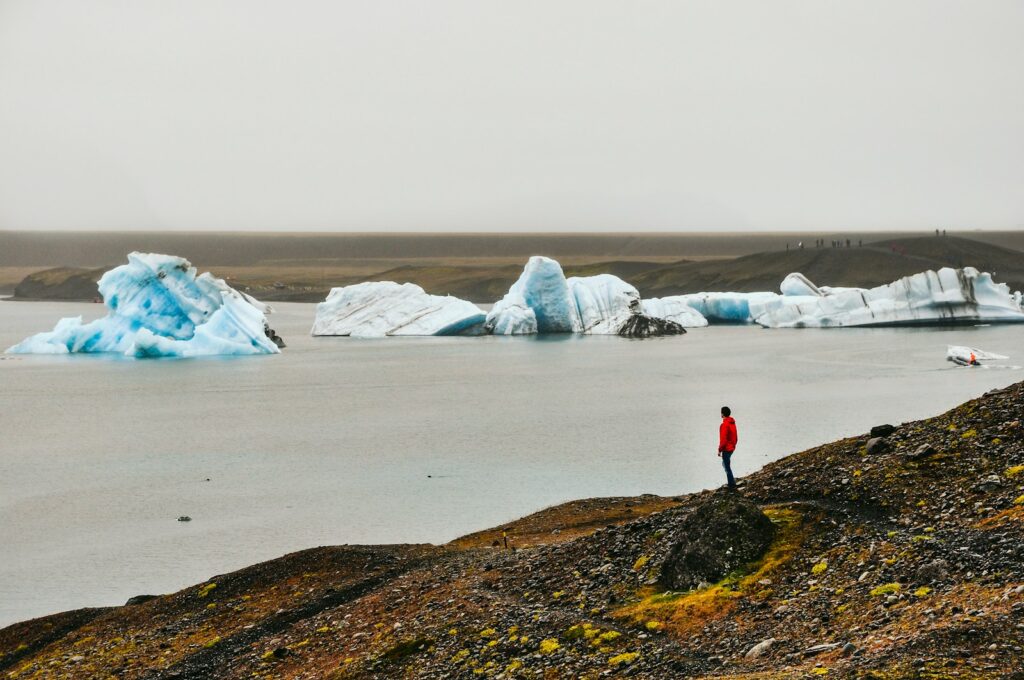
159, 307
538, 302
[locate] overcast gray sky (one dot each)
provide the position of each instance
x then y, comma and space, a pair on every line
520, 115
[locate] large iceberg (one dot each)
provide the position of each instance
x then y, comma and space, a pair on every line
380, 308
159, 307
930, 298
543, 300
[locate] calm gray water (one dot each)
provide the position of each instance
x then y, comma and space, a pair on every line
403, 440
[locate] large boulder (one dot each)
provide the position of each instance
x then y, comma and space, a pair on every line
725, 533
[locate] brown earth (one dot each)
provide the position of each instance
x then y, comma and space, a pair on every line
898, 555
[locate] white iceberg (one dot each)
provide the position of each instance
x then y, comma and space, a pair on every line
160, 308
798, 284
604, 303
381, 308
970, 356
929, 298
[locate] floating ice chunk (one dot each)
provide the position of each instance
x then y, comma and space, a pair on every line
929, 298
963, 355
380, 308
542, 289
798, 284
674, 308
159, 307
511, 316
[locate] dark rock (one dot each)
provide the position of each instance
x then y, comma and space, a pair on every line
184, 518
989, 483
723, 533
641, 326
932, 572
760, 648
876, 445
921, 452
139, 599
281, 652
882, 430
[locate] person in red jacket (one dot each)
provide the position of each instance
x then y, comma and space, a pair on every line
727, 439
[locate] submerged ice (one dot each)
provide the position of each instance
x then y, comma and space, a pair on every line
380, 308
159, 307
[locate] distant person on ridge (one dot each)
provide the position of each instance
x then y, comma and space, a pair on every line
727, 444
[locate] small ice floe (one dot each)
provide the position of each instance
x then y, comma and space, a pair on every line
971, 356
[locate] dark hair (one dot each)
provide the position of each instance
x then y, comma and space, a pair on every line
726, 411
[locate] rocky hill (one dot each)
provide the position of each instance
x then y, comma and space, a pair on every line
60, 283
894, 554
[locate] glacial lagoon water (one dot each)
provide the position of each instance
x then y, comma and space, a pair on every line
403, 440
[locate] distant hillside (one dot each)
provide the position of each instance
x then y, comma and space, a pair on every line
241, 249
870, 265
60, 283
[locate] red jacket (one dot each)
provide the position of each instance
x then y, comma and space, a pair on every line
727, 437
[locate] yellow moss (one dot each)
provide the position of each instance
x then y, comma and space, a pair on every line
557, 594
549, 646
922, 591
624, 658
488, 633
609, 635
205, 590
683, 613
820, 567
654, 625
969, 434
887, 589
1019, 500
514, 666
819, 671
211, 643
640, 562
460, 656
1014, 471
323, 629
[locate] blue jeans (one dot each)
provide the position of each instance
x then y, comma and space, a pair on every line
727, 466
